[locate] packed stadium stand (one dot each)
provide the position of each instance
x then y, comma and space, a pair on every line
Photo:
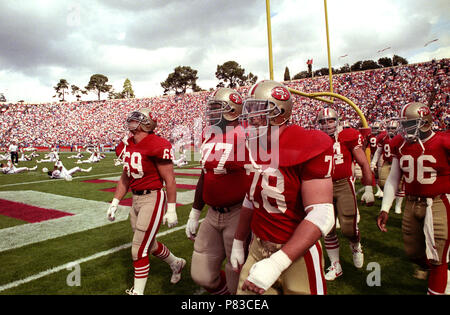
379, 93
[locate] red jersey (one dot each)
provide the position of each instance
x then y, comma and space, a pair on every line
347, 140
140, 161
223, 159
372, 141
383, 141
275, 189
426, 173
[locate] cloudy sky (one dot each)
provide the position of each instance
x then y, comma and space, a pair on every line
42, 41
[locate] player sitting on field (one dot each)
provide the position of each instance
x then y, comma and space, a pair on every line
9, 168
53, 156
60, 172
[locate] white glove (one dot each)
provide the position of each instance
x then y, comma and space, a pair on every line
171, 215
373, 166
192, 223
368, 196
265, 272
111, 213
237, 255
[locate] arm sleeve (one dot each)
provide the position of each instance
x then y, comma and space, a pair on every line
376, 156
391, 185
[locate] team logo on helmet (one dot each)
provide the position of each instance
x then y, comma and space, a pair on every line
280, 93
236, 98
423, 111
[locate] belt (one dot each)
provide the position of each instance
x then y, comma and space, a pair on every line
224, 209
141, 192
418, 198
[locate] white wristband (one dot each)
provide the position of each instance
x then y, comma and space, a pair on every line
171, 207
368, 189
237, 244
115, 202
384, 210
195, 214
281, 260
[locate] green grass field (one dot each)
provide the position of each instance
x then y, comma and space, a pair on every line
102, 258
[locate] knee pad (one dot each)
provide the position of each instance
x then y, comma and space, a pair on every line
205, 270
138, 249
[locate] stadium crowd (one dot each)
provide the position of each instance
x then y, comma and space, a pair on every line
379, 94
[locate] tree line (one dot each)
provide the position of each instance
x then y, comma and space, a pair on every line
98, 83
229, 74
357, 66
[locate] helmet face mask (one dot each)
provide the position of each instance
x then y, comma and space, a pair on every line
376, 127
392, 128
215, 110
416, 121
328, 121
141, 118
328, 125
256, 116
411, 128
269, 103
224, 104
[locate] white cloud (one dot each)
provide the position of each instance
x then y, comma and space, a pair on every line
145, 43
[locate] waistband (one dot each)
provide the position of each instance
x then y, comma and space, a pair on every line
226, 209
424, 199
142, 192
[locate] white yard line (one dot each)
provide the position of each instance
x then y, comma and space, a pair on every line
79, 261
52, 180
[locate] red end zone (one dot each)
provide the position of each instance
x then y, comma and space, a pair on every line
29, 213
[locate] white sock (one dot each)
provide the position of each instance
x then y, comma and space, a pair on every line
163, 253
141, 269
139, 285
398, 202
332, 247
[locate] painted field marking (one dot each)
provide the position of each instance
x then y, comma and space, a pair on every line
79, 261
88, 214
53, 180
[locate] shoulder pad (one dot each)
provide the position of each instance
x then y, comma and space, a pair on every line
348, 134
298, 145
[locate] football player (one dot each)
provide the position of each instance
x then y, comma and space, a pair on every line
94, 158
60, 172
382, 160
376, 128
422, 157
348, 146
147, 165
79, 155
288, 205
52, 156
222, 186
9, 168
23, 157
